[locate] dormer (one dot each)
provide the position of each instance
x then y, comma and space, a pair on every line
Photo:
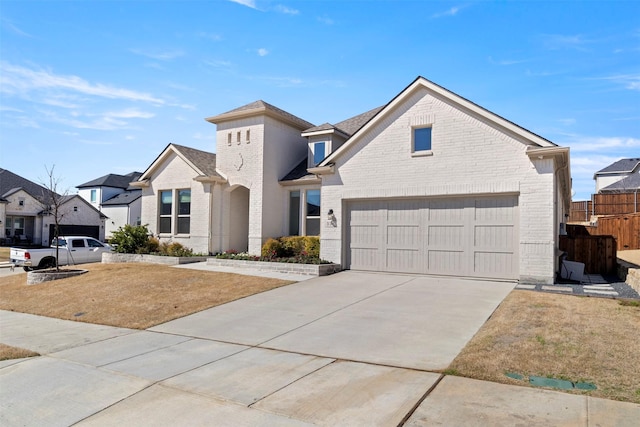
325, 139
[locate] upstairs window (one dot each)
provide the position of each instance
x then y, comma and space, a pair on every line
93, 196
421, 139
318, 152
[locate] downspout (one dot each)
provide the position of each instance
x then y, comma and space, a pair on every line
209, 228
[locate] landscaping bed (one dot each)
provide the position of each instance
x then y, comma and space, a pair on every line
280, 267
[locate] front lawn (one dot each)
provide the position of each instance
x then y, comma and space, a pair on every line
129, 295
579, 339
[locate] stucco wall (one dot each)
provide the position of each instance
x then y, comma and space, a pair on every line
469, 157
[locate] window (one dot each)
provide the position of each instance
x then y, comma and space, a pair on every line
184, 211
294, 213
93, 196
229, 138
164, 223
318, 153
77, 243
238, 137
305, 207
312, 223
248, 136
20, 202
422, 139
75, 209
94, 243
18, 226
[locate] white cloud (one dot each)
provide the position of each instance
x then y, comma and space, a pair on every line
263, 52
14, 29
325, 20
582, 144
160, 56
562, 41
218, 63
453, 11
17, 80
629, 81
248, 3
129, 113
284, 9
567, 122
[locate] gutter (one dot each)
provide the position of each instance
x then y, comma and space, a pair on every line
323, 170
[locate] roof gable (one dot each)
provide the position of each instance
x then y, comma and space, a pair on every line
449, 97
10, 182
202, 162
620, 166
112, 180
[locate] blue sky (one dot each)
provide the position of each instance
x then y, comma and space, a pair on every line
98, 87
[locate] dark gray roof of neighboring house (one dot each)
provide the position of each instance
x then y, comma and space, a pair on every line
630, 183
10, 182
621, 166
258, 106
125, 198
112, 180
203, 160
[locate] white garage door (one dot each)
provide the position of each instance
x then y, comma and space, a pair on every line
465, 236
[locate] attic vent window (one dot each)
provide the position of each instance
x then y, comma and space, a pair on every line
75, 209
229, 138
248, 136
238, 137
21, 202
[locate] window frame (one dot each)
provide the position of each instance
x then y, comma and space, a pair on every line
422, 151
179, 214
162, 215
93, 196
304, 219
316, 152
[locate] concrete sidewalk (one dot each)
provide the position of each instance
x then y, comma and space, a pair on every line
348, 349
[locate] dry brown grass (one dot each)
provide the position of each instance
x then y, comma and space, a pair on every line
129, 295
4, 253
559, 336
8, 352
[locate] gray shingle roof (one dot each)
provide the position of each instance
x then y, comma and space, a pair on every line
125, 198
630, 183
621, 166
10, 182
351, 125
203, 160
299, 173
260, 106
112, 180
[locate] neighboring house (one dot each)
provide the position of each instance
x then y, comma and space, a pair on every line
26, 218
429, 183
112, 195
622, 176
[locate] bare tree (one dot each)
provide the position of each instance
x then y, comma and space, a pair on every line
52, 202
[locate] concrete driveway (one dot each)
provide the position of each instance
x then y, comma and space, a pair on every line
348, 349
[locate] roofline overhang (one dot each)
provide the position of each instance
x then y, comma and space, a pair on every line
322, 170
236, 115
324, 132
560, 155
301, 182
140, 184
210, 179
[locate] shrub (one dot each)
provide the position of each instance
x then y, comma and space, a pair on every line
293, 245
312, 246
272, 248
131, 239
174, 249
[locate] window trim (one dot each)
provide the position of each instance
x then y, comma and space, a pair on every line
302, 211
182, 216
419, 153
161, 215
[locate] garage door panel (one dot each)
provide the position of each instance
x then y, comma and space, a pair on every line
445, 262
446, 236
466, 236
494, 237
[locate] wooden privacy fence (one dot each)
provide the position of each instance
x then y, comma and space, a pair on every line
598, 253
604, 204
626, 229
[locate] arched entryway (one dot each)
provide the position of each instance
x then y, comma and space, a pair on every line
239, 219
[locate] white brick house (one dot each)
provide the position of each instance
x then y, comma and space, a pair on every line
429, 183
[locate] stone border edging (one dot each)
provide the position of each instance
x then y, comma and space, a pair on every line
630, 274
40, 276
110, 257
279, 267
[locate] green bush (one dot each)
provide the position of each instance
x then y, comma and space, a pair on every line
131, 239
312, 246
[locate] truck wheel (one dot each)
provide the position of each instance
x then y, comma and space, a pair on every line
47, 263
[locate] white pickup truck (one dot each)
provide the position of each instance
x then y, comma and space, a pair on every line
71, 250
